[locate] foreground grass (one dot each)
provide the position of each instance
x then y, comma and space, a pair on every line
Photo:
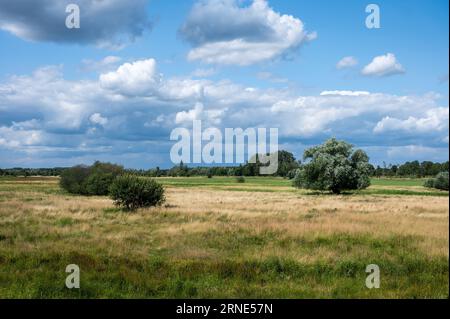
210, 243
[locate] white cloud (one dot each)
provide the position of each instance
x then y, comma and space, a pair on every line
212, 116
138, 77
46, 112
189, 116
434, 120
222, 32
307, 116
347, 62
97, 118
383, 65
12, 137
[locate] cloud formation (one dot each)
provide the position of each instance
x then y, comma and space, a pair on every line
383, 65
433, 120
223, 32
346, 62
119, 118
109, 23
134, 78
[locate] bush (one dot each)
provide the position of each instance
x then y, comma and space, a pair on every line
439, 182
132, 192
240, 179
429, 183
335, 167
73, 180
90, 180
292, 173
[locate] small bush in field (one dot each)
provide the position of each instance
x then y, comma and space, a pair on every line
429, 183
132, 192
439, 182
240, 179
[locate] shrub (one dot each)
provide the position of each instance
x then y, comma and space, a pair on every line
240, 179
90, 180
439, 182
132, 192
429, 183
292, 173
335, 167
73, 180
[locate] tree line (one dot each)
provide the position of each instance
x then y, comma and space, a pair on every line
287, 166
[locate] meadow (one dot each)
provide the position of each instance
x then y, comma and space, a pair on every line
216, 238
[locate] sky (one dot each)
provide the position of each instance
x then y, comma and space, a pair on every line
115, 88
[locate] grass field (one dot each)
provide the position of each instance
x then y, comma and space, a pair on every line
216, 238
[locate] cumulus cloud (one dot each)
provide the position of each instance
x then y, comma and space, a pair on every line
138, 77
190, 115
223, 32
111, 23
347, 62
434, 120
15, 137
212, 116
357, 112
114, 116
383, 65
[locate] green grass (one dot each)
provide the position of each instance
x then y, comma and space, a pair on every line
398, 181
234, 260
406, 273
223, 181
379, 186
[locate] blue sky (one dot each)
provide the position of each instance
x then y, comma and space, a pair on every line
115, 88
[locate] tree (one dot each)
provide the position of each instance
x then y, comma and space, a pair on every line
73, 179
439, 182
410, 169
132, 192
101, 176
90, 180
334, 166
286, 163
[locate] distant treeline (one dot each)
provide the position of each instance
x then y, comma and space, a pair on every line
19, 171
412, 169
287, 166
